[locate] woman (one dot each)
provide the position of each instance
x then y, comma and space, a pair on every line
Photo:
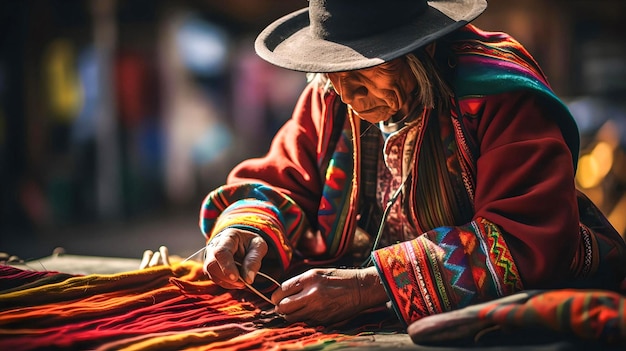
427, 154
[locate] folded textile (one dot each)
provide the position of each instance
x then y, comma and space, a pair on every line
174, 308
586, 316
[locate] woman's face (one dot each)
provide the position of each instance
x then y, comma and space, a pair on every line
378, 93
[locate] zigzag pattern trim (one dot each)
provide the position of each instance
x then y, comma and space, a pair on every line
500, 258
336, 193
447, 268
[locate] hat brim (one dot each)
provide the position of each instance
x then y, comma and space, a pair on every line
287, 42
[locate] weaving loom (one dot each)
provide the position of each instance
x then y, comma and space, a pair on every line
177, 308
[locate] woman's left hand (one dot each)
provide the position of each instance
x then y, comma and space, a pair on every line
322, 296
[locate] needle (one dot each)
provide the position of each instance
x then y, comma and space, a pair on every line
255, 290
263, 275
243, 281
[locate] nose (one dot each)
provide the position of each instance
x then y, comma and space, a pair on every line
349, 85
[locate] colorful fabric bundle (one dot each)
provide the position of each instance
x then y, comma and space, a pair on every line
586, 316
173, 308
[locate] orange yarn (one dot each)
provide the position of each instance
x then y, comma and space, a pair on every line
156, 308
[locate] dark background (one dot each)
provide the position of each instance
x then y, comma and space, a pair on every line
118, 117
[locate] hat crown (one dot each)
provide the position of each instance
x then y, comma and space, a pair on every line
338, 20
345, 35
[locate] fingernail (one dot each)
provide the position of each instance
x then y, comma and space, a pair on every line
250, 277
232, 277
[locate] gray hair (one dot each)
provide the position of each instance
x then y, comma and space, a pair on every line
432, 86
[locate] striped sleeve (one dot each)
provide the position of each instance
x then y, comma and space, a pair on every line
447, 268
258, 208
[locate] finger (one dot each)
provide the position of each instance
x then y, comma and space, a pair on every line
165, 255
289, 287
147, 255
154, 261
214, 272
256, 250
293, 307
224, 252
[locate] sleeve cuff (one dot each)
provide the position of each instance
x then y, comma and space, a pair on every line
260, 217
447, 268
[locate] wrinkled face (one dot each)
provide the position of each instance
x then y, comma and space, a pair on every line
378, 93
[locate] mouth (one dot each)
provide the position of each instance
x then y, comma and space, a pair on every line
370, 110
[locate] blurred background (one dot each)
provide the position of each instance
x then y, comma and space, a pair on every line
118, 117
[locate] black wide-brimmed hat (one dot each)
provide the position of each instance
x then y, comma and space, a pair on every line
344, 35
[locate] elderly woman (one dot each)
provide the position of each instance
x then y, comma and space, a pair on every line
428, 159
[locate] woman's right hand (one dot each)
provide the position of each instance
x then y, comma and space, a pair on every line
234, 245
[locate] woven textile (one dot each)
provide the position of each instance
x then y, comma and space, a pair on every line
158, 308
597, 316
446, 268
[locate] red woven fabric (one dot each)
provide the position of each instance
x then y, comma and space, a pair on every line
157, 308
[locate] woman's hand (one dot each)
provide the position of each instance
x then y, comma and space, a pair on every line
152, 259
321, 296
228, 246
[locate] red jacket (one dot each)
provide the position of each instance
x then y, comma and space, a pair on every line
501, 212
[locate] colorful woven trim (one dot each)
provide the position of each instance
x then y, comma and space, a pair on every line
337, 193
488, 63
501, 264
254, 206
442, 193
259, 217
404, 271
334, 195
488, 56
447, 268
